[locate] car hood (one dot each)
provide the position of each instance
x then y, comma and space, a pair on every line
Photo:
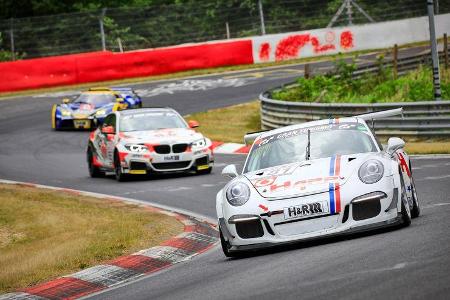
305, 178
162, 136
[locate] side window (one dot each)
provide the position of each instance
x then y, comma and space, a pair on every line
110, 120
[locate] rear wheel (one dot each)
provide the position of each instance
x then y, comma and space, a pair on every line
120, 176
415, 211
94, 171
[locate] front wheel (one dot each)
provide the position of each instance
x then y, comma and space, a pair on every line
120, 176
226, 247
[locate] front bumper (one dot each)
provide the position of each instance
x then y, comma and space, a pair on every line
272, 227
134, 163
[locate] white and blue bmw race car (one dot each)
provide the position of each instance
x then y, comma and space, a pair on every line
314, 180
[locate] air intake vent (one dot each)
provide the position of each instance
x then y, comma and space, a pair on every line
179, 148
162, 149
249, 229
366, 209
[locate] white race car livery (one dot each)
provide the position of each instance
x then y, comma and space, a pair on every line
148, 140
313, 180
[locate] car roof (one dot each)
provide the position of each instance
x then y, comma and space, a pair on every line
312, 123
147, 109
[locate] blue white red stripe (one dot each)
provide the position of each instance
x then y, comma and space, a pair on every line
334, 189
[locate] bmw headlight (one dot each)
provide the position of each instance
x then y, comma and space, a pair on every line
238, 194
66, 113
138, 148
371, 171
100, 112
198, 144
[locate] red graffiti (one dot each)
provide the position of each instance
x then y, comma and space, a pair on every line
318, 48
346, 40
264, 52
290, 46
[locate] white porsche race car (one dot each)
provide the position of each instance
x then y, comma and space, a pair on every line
313, 180
147, 140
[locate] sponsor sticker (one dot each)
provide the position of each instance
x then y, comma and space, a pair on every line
306, 210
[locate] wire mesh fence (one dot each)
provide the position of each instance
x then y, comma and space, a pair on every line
132, 28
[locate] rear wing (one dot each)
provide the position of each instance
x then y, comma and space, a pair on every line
381, 114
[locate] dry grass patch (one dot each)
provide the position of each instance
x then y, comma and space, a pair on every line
45, 234
428, 147
229, 124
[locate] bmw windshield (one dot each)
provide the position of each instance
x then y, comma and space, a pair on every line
325, 141
151, 121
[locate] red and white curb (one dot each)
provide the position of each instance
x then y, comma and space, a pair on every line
199, 235
230, 148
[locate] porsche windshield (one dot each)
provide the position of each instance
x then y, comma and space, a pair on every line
325, 140
95, 99
151, 121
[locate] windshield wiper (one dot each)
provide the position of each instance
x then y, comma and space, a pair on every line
308, 146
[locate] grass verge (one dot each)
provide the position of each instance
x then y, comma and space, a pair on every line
230, 124
45, 234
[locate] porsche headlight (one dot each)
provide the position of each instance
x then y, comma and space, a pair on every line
66, 113
100, 112
238, 194
138, 148
198, 144
371, 171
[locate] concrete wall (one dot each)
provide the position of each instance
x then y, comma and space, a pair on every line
317, 42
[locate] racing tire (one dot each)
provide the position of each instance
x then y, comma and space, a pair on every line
204, 172
226, 247
120, 176
415, 211
406, 211
94, 171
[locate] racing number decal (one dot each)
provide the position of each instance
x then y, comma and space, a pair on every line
334, 189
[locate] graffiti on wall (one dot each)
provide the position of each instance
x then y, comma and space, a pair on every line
290, 46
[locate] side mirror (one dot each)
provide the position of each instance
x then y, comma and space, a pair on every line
193, 124
65, 101
394, 144
230, 171
108, 130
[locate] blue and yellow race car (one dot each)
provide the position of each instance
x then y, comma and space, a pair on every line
90, 108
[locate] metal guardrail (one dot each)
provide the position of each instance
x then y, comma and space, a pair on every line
424, 119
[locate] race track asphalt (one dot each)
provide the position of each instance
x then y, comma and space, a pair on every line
411, 262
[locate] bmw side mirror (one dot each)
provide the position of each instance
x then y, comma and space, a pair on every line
193, 124
394, 144
230, 171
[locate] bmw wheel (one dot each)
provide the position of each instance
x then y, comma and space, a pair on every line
120, 176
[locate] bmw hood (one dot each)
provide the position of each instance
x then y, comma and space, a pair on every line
304, 178
162, 136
